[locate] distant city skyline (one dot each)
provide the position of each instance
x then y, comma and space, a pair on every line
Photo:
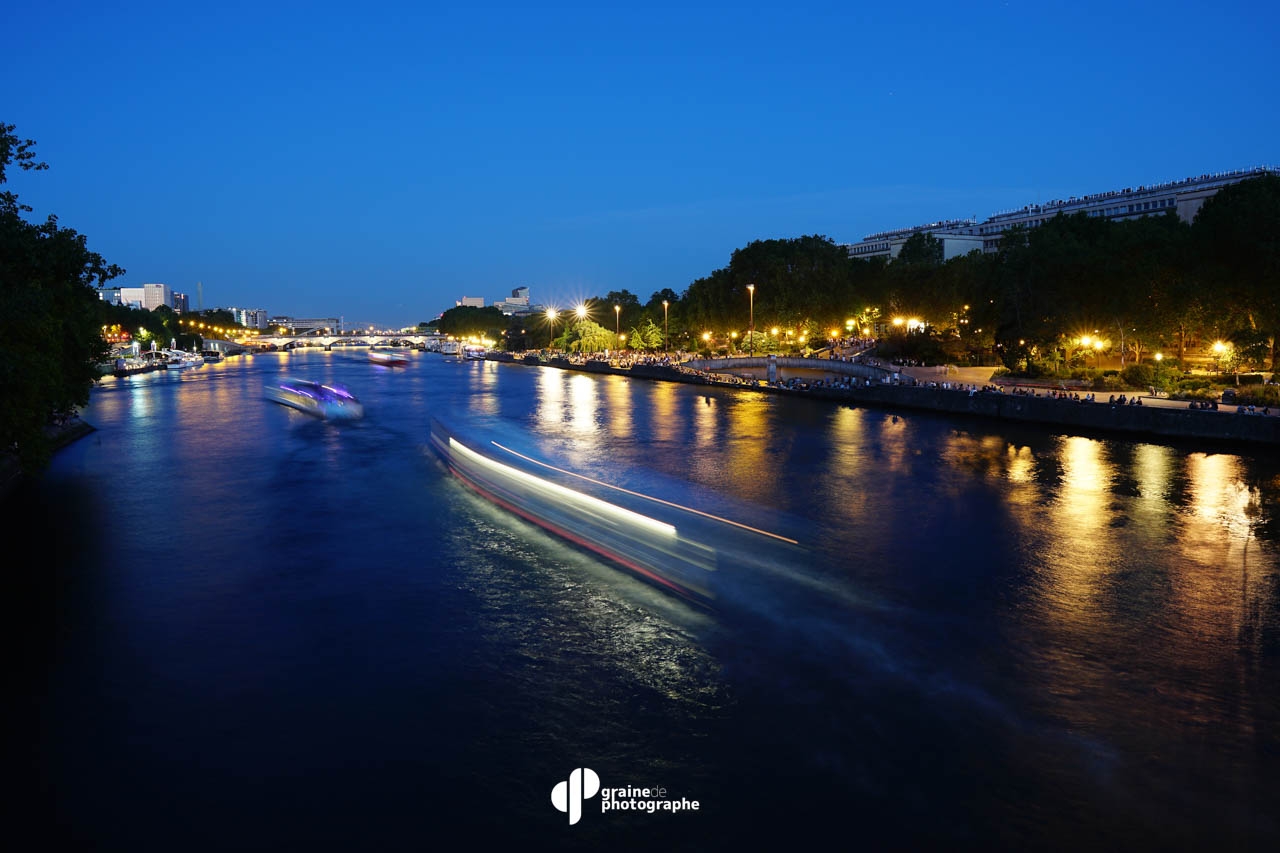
386, 165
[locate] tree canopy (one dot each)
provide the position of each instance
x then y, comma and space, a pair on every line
1137, 285
50, 331
467, 320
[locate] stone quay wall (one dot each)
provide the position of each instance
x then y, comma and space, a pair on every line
1226, 426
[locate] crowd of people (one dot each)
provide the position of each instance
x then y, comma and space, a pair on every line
891, 376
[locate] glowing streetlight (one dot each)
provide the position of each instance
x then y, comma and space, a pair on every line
581, 311
664, 325
617, 321
751, 298
552, 314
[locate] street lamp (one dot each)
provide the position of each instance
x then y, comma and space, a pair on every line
664, 325
552, 314
1159, 358
617, 321
751, 298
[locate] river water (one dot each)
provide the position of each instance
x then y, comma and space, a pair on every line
252, 629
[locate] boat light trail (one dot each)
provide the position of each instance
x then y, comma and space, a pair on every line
646, 497
604, 507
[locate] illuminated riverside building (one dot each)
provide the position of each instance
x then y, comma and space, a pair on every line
960, 236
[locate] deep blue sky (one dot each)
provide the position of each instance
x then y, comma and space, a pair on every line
380, 161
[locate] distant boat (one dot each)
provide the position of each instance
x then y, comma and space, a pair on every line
332, 402
474, 351
388, 359
133, 366
176, 359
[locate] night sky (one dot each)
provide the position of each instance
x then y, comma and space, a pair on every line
379, 161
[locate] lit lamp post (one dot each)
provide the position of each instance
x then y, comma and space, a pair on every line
751, 299
1221, 350
1159, 358
664, 325
617, 321
552, 314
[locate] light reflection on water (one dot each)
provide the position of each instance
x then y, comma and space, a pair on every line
1056, 619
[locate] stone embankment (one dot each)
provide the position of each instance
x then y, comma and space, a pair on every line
874, 386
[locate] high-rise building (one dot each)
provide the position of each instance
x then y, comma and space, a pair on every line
148, 296
251, 318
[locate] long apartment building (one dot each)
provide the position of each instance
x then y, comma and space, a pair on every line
959, 236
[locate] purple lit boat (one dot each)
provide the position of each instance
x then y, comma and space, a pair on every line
331, 402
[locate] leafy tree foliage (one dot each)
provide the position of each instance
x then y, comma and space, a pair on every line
586, 336
50, 334
1236, 244
466, 320
646, 336
1140, 285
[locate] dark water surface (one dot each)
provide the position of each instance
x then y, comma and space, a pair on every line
247, 629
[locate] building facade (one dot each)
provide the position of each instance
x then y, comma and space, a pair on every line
515, 305
1184, 197
148, 296
960, 236
305, 325
251, 318
957, 236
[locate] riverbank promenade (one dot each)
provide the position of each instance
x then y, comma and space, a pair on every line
966, 391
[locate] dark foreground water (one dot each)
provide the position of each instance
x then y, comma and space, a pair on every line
246, 629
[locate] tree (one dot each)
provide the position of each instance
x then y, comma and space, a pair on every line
586, 336
466, 320
50, 334
646, 336
921, 248
1236, 236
